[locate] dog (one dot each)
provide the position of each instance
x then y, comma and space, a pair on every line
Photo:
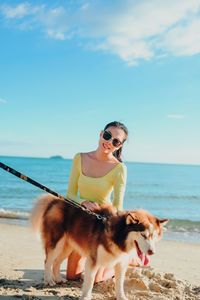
105, 242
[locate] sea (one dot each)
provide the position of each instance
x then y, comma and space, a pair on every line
165, 190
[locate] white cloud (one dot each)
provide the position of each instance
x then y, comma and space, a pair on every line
19, 11
132, 30
16, 12
176, 116
3, 101
56, 35
184, 39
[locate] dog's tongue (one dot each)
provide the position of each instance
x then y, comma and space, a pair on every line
144, 258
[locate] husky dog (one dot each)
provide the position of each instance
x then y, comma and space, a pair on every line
106, 243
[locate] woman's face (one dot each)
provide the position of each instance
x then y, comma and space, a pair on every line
107, 145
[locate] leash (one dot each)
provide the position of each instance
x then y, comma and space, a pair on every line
46, 189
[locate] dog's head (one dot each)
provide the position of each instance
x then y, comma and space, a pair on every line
144, 231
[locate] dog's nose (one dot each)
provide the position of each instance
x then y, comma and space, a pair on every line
150, 252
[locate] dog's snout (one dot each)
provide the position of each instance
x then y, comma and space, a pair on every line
150, 252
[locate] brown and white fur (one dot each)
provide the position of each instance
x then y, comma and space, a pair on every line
65, 228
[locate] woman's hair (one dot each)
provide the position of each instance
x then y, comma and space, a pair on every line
117, 124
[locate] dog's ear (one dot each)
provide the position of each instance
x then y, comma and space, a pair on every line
161, 222
130, 219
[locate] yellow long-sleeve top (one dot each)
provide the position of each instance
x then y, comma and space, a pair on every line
97, 189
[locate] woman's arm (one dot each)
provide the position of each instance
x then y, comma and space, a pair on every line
119, 187
72, 190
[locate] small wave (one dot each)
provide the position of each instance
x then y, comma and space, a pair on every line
174, 225
142, 196
178, 225
14, 214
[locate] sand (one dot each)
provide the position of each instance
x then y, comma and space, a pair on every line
173, 272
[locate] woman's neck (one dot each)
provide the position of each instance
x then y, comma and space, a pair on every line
99, 155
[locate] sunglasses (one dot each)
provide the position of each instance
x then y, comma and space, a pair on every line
108, 136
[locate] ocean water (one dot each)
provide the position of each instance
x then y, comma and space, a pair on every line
167, 191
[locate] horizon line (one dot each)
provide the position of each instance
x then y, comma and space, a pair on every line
128, 161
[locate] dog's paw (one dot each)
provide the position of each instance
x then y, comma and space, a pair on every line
86, 298
61, 280
122, 298
49, 282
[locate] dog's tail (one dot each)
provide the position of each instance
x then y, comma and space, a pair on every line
37, 212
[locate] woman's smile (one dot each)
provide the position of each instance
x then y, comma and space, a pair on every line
106, 147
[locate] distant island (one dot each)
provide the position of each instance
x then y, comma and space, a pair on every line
56, 157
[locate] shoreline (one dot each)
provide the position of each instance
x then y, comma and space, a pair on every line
173, 270
126, 161
192, 237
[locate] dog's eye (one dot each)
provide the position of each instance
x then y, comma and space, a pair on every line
143, 235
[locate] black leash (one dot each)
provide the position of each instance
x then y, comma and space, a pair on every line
46, 189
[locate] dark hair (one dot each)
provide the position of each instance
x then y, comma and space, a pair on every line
120, 125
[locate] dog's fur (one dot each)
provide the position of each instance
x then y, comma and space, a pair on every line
65, 228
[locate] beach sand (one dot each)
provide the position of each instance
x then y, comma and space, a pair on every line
173, 272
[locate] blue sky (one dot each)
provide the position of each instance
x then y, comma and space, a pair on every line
67, 68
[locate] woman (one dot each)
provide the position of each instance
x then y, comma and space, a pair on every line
95, 174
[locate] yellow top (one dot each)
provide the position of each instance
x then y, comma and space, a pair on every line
97, 189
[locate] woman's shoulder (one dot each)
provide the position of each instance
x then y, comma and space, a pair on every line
83, 156
87, 154
121, 166
119, 170
77, 157
120, 173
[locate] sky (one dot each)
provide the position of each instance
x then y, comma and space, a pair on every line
67, 68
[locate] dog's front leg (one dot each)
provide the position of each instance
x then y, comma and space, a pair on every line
120, 270
90, 272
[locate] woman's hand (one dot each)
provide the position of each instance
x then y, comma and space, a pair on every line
90, 205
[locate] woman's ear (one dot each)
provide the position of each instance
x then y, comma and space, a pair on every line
101, 133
